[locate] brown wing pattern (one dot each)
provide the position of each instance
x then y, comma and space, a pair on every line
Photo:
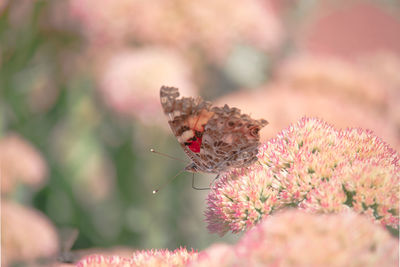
187, 116
231, 139
225, 138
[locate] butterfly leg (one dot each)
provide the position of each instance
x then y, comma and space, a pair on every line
198, 188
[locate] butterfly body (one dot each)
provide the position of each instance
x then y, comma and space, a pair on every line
216, 139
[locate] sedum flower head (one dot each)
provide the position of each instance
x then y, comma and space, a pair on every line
296, 238
312, 166
162, 258
178, 257
235, 204
97, 260
290, 238
221, 255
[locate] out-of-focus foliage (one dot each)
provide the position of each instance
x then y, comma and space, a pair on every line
79, 107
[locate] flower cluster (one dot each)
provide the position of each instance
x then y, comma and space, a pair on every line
21, 163
130, 80
207, 25
332, 76
314, 167
290, 238
296, 238
178, 257
104, 261
26, 235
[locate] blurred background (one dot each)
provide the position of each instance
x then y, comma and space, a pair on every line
79, 105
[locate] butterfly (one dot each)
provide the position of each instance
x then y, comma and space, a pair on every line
216, 139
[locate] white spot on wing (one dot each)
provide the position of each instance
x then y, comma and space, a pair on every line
185, 136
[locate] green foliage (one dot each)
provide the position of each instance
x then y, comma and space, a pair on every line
56, 108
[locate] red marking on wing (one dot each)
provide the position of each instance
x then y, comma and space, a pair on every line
195, 145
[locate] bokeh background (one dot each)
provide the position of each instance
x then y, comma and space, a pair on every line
79, 105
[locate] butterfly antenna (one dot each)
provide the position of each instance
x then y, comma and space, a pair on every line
166, 155
169, 181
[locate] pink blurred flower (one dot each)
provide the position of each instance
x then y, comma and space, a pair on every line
130, 81
178, 257
295, 238
26, 235
20, 163
105, 261
333, 76
363, 93
105, 253
288, 238
207, 25
314, 167
351, 29
3, 5
293, 104
217, 255
387, 66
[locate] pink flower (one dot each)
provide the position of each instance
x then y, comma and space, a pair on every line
130, 81
207, 26
178, 257
3, 5
236, 203
335, 77
350, 30
363, 93
26, 235
216, 255
314, 167
290, 238
20, 163
105, 261
295, 238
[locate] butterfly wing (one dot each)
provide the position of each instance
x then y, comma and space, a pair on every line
231, 139
216, 139
187, 118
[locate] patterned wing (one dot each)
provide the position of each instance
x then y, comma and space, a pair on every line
230, 139
187, 118
216, 139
